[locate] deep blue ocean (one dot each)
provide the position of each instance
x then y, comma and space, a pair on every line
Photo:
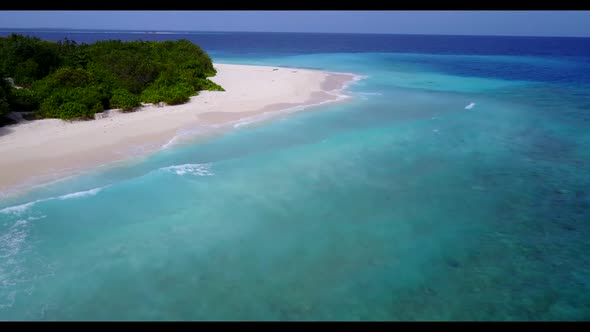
454, 185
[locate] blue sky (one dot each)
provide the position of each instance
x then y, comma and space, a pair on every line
520, 23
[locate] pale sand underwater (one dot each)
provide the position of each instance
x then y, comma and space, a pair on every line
34, 152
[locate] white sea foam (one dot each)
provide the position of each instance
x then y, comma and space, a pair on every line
470, 106
12, 241
355, 80
170, 142
244, 122
90, 192
187, 133
20, 223
18, 209
192, 169
22, 208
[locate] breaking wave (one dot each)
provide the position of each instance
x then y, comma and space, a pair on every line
470, 106
90, 192
22, 208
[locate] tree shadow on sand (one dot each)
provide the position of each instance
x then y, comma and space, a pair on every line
5, 131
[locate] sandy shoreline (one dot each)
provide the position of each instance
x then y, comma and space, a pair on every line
34, 152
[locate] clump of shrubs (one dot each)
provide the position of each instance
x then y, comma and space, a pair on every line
66, 80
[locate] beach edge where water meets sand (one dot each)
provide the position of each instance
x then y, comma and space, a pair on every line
41, 151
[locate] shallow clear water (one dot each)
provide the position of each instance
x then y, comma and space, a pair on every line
399, 204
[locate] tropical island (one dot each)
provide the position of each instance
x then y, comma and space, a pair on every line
173, 88
67, 80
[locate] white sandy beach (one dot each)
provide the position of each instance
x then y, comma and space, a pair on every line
33, 152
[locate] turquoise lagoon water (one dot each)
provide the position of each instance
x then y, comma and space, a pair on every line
397, 204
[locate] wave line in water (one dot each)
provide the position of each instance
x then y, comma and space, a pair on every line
340, 94
90, 192
298, 108
470, 106
192, 169
22, 208
184, 134
181, 133
19, 209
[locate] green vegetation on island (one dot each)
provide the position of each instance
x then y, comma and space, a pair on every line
67, 80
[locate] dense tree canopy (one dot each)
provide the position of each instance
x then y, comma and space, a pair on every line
68, 80
4, 95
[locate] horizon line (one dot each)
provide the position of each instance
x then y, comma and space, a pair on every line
301, 32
